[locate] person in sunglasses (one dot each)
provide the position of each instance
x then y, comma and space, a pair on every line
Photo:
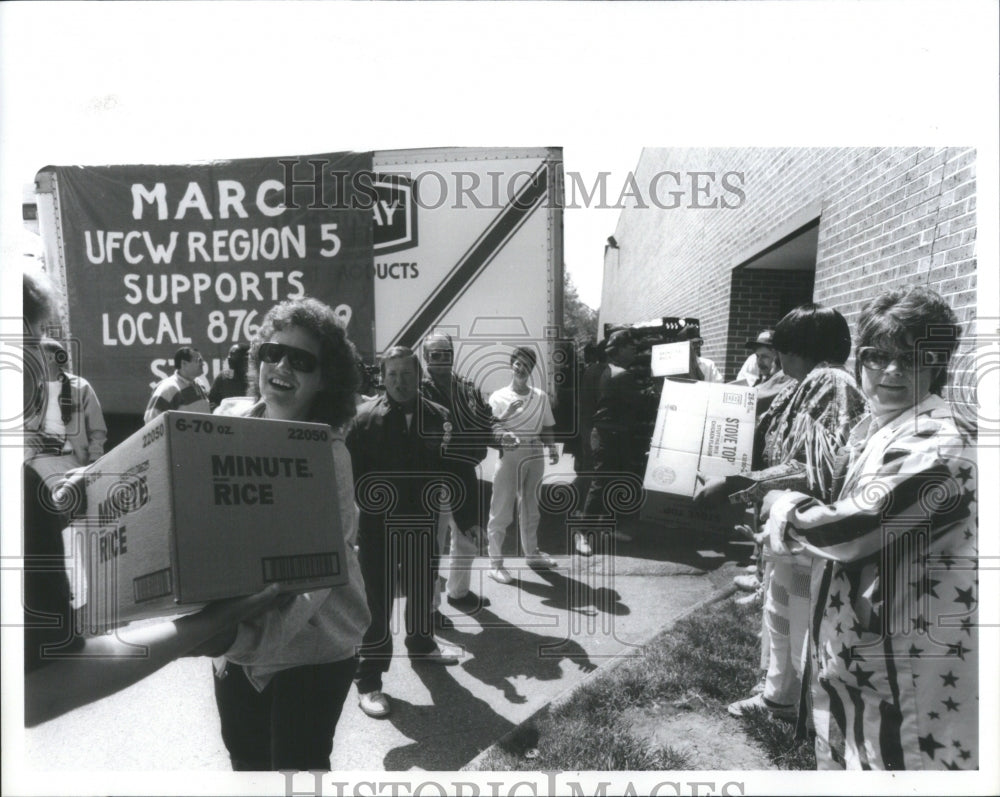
473, 424
282, 679
893, 636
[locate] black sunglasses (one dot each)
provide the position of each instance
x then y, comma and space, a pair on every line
300, 359
439, 356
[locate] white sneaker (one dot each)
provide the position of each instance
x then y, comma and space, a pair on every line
582, 546
540, 559
375, 704
501, 575
740, 707
748, 582
750, 598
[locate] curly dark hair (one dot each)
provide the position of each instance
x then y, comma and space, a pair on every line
908, 318
818, 333
335, 404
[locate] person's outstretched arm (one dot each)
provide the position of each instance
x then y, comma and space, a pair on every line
108, 664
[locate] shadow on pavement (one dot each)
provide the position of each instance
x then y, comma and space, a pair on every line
504, 653
457, 725
650, 542
570, 594
450, 732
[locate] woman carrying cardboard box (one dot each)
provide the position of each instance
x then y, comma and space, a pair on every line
281, 683
62, 669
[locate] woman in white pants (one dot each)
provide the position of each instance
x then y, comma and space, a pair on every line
524, 417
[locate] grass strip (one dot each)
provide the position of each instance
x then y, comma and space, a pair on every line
701, 664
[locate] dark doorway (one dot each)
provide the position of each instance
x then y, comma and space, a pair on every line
766, 286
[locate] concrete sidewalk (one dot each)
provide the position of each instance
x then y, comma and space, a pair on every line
539, 638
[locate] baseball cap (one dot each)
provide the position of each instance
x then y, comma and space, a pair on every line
618, 339
765, 338
689, 332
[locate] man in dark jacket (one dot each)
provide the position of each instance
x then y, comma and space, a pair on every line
472, 421
398, 443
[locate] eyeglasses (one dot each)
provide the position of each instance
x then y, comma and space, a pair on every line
439, 356
300, 359
879, 359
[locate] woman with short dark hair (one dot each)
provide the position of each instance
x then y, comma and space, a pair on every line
794, 445
894, 680
919, 319
282, 679
814, 333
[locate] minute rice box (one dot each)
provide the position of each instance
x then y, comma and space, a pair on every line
194, 508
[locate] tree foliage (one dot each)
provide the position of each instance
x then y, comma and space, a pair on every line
579, 319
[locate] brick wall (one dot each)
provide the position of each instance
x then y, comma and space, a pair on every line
887, 217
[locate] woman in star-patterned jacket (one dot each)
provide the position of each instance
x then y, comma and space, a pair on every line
893, 653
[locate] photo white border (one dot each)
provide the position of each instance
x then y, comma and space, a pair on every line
97, 83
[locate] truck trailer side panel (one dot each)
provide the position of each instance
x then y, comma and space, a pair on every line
464, 240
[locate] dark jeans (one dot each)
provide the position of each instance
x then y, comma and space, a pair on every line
290, 725
406, 555
611, 454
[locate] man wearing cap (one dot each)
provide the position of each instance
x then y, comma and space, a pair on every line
762, 363
471, 434
762, 370
180, 390
619, 434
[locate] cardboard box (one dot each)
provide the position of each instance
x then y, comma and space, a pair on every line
193, 508
701, 428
